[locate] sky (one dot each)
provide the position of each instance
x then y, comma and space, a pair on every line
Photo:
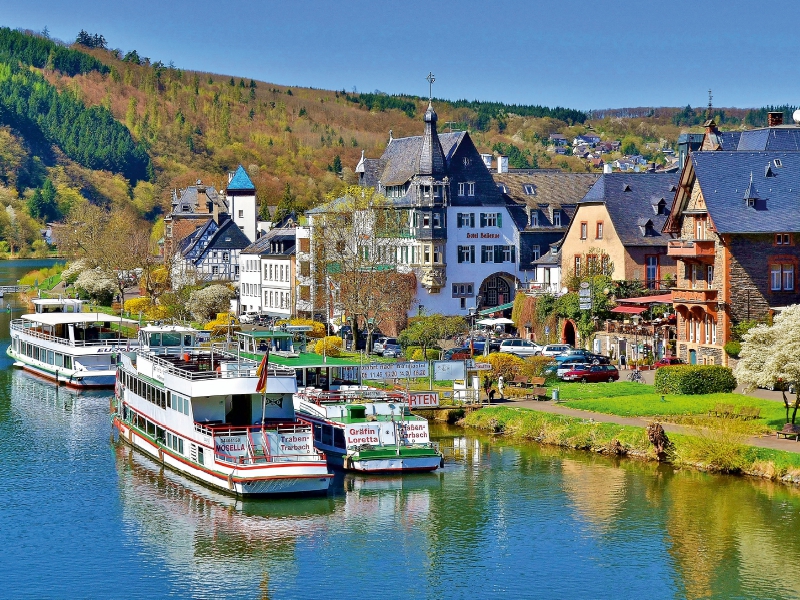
573, 53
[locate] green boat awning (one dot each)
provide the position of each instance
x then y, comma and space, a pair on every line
306, 360
489, 311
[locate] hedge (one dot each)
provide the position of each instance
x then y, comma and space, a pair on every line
432, 354
694, 379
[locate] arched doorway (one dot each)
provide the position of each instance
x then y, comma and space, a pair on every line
568, 335
497, 289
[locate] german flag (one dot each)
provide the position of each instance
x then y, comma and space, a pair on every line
261, 386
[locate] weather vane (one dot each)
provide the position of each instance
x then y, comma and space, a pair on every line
430, 78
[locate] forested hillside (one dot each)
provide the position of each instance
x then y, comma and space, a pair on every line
119, 129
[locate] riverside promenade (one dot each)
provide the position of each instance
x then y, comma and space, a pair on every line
557, 408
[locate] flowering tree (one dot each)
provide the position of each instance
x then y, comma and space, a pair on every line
207, 302
96, 284
770, 357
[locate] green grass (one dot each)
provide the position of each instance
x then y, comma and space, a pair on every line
629, 399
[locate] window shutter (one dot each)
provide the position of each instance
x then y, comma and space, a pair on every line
472, 220
513, 254
472, 254
483, 219
460, 253
498, 254
458, 221
499, 219
483, 254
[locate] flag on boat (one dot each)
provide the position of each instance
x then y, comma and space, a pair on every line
261, 386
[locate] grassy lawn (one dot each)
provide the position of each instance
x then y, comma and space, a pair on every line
630, 399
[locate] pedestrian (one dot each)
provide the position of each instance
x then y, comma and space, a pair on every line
487, 384
622, 361
491, 395
500, 387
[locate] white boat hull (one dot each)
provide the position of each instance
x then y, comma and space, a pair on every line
407, 464
274, 479
75, 379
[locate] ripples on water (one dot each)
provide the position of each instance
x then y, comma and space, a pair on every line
82, 517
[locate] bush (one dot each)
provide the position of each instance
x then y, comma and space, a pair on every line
694, 379
330, 345
504, 365
410, 350
535, 365
210, 301
733, 349
431, 354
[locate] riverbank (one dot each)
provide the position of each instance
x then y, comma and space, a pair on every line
719, 450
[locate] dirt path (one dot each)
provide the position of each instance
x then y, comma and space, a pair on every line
551, 407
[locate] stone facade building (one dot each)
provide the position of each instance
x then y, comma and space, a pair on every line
735, 219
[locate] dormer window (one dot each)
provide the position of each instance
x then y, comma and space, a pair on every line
751, 202
502, 188
534, 218
556, 218
529, 189
645, 226
659, 206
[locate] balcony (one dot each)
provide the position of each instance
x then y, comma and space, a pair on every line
691, 249
694, 296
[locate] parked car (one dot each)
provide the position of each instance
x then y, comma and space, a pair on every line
248, 318
478, 343
581, 354
569, 365
392, 350
669, 360
494, 345
457, 354
520, 347
592, 374
555, 349
381, 342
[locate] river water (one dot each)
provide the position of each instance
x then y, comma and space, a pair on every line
82, 517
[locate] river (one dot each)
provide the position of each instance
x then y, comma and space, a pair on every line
83, 517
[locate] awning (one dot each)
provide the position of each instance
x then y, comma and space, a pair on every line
502, 307
486, 322
629, 310
503, 321
660, 299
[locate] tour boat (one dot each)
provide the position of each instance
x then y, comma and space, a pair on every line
196, 410
60, 342
368, 430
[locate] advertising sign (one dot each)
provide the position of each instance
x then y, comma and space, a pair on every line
448, 370
293, 443
480, 366
413, 432
375, 434
394, 370
423, 399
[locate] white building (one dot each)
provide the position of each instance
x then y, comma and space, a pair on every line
267, 274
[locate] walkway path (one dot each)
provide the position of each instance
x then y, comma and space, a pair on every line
549, 406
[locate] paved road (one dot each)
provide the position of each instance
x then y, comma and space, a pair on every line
549, 406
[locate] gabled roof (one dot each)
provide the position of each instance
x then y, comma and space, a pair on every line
724, 179
211, 236
629, 200
399, 161
241, 181
550, 189
279, 241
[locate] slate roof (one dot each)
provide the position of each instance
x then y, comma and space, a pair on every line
550, 258
724, 178
279, 241
192, 200
399, 161
241, 181
227, 236
629, 199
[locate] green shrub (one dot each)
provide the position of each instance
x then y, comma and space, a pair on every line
410, 350
534, 365
733, 348
431, 354
694, 379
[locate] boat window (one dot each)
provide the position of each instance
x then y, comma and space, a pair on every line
338, 438
326, 435
187, 340
200, 456
67, 362
155, 339
317, 432
170, 339
51, 359
59, 359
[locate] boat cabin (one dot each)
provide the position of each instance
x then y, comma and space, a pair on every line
169, 339
57, 305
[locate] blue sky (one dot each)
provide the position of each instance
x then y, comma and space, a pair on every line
574, 53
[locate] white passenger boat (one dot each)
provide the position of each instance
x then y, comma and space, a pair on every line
60, 342
196, 410
368, 430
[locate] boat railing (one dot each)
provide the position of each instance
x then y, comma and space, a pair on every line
19, 325
198, 364
352, 396
263, 459
226, 429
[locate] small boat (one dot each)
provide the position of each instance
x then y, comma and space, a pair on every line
196, 410
61, 342
368, 430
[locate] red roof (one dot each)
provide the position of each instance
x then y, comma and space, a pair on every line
631, 310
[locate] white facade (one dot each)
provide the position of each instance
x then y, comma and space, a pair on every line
278, 286
243, 211
250, 283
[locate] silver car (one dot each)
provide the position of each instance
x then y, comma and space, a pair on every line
555, 349
520, 347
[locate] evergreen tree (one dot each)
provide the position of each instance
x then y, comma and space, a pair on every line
232, 83
42, 205
252, 84
286, 206
337, 165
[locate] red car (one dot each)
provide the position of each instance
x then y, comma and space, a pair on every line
592, 374
669, 360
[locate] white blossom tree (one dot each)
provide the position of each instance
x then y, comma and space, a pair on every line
204, 304
770, 357
97, 284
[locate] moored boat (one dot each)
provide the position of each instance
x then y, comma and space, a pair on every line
196, 410
62, 343
367, 430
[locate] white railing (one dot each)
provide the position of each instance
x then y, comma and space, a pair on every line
19, 325
232, 366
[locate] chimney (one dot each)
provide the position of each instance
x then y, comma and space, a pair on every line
502, 164
774, 119
230, 176
608, 168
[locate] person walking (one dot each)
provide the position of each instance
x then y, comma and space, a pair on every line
622, 362
500, 387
